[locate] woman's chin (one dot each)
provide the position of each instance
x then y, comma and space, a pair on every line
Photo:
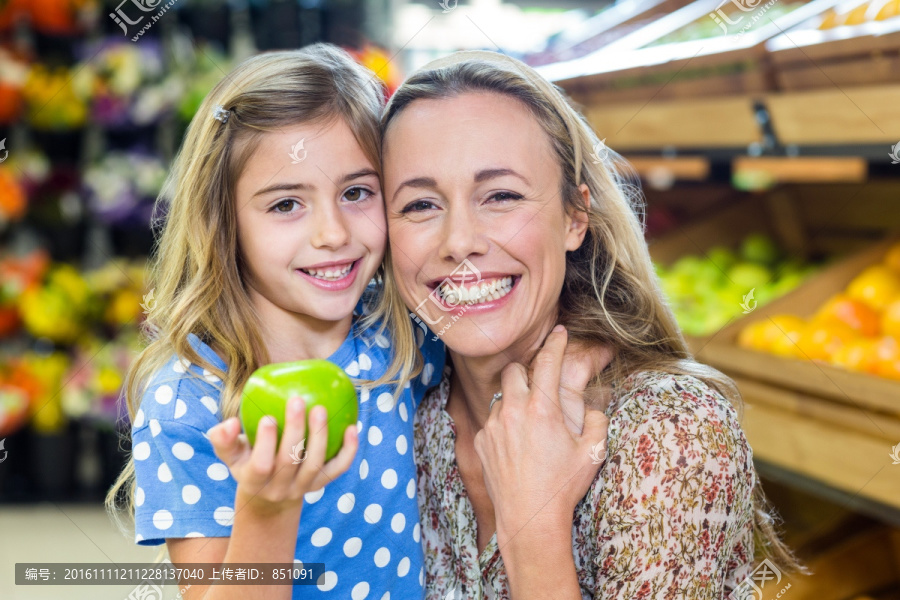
467, 339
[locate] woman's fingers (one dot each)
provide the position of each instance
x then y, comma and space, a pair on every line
548, 363
514, 383
596, 431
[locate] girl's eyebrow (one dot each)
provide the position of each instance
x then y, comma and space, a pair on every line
289, 187
357, 174
283, 187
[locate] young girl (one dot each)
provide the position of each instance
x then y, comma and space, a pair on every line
275, 228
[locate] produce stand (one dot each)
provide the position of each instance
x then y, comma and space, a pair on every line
807, 162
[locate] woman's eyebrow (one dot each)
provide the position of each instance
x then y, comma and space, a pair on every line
487, 174
480, 176
417, 182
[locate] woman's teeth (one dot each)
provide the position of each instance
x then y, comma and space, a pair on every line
476, 294
331, 273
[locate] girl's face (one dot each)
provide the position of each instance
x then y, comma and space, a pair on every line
472, 191
311, 222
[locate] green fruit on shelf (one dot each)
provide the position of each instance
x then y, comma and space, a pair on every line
318, 382
749, 275
759, 248
722, 257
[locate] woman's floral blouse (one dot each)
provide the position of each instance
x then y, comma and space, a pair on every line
668, 516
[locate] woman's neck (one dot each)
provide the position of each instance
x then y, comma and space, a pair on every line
475, 379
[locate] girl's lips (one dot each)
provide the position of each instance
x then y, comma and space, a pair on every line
333, 286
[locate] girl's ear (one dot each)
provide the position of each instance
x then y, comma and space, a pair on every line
577, 220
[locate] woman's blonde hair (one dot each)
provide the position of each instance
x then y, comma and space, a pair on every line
611, 294
196, 273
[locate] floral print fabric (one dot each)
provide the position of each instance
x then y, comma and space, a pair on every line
669, 515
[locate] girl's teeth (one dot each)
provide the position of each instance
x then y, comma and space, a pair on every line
478, 293
330, 273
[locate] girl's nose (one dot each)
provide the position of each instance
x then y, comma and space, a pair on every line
330, 229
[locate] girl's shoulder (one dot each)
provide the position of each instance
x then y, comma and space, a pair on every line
183, 392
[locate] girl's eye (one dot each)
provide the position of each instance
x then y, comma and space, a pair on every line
357, 194
417, 206
505, 196
285, 206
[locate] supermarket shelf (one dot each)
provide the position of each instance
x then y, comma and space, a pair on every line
847, 500
858, 121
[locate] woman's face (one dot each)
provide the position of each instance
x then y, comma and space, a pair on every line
472, 189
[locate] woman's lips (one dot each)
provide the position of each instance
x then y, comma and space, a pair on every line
486, 294
332, 279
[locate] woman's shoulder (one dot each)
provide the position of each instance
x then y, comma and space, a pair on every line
678, 421
661, 394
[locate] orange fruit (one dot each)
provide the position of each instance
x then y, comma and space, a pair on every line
892, 258
819, 341
890, 319
784, 333
764, 334
888, 355
843, 309
859, 355
751, 336
876, 286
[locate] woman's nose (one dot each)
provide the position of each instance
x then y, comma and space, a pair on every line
462, 235
330, 229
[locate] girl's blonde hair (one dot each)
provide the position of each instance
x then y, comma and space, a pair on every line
611, 295
196, 273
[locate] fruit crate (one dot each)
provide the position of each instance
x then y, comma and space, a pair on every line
734, 220
856, 42
810, 378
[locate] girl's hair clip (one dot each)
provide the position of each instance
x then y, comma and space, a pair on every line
220, 114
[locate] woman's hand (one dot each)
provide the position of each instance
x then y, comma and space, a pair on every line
580, 364
269, 479
535, 468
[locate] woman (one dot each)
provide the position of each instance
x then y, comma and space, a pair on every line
489, 176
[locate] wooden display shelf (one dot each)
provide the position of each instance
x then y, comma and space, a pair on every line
819, 439
826, 117
638, 67
684, 168
805, 169
726, 122
863, 54
848, 115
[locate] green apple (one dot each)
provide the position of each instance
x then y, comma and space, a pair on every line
318, 382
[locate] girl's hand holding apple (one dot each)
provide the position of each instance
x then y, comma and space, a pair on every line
274, 475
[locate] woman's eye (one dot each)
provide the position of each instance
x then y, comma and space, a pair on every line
285, 206
357, 194
504, 196
417, 206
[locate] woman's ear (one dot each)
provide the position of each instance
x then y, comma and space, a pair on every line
577, 220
